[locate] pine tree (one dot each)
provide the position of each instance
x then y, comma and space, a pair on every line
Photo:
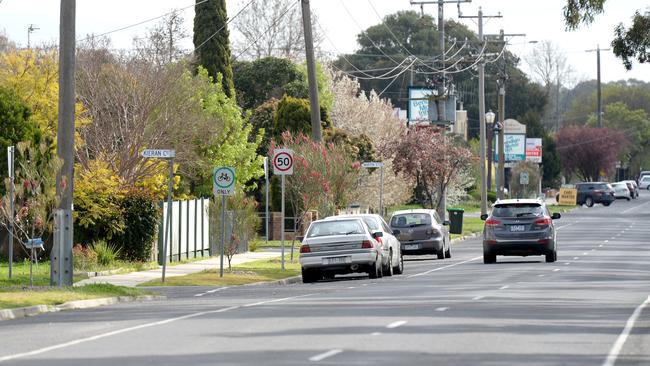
211, 39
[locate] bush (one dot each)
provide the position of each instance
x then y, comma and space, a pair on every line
106, 254
141, 215
83, 258
491, 196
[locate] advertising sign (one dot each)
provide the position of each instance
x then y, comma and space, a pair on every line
568, 196
514, 146
418, 107
534, 150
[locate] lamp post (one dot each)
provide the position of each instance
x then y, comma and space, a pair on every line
489, 119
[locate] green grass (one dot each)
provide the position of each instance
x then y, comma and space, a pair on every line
561, 208
261, 243
251, 272
471, 225
14, 297
20, 274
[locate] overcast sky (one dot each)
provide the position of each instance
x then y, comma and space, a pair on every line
538, 19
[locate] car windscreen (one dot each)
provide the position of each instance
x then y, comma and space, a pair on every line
335, 227
518, 210
410, 220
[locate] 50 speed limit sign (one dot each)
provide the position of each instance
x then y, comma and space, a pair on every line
283, 162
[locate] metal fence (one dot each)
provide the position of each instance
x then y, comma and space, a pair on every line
190, 228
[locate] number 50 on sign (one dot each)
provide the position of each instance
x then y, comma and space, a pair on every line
283, 162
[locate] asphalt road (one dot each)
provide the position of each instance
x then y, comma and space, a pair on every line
586, 309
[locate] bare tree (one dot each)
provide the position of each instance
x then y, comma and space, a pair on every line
161, 45
272, 28
5, 43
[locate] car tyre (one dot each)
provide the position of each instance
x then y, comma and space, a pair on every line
551, 257
606, 204
589, 202
441, 253
308, 276
388, 270
448, 251
399, 269
628, 199
373, 271
489, 258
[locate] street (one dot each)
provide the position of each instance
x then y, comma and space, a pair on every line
585, 309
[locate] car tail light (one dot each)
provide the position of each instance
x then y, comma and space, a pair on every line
492, 222
378, 240
305, 249
366, 244
544, 221
491, 242
433, 233
542, 241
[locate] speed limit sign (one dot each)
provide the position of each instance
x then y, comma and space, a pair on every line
283, 162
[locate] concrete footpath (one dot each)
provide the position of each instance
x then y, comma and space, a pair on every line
135, 278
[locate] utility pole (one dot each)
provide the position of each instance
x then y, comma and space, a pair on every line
30, 30
481, 107
61, 272
598, 90
316, 134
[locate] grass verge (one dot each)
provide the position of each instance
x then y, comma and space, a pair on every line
17, 297
245, 273
471, 225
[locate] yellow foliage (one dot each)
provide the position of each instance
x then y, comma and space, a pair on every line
156, 182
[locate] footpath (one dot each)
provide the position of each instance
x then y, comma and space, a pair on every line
133, 279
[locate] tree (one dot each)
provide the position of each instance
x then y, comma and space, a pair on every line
273, 28
551, 168
161, 45
629, 43
587, 151
432, 160
265, 78
293, 115
211, 43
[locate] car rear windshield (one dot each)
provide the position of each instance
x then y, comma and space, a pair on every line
338, 227
518, 210
410, 220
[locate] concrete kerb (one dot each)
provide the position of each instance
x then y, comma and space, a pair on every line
8, 314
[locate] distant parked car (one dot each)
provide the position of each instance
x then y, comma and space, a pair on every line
642, 174
621, 191
421, 232
633, 187
644, 183
595, 192
339, 246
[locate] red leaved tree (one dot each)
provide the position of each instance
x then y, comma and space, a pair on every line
586, 151
432, 159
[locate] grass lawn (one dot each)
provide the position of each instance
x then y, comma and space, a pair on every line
471, 225
261, 243
561, 208
251, 272
16, 297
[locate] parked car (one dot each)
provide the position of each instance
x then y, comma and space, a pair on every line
421, 232
595, 192
644, 182
519, 227
633, 187
621, 191
391, 248
340, 246
642, 174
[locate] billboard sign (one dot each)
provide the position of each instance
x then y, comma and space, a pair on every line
418, 107
534, 150
514, 146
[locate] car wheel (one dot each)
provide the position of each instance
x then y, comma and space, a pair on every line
388, 270
606, 204
589, 202
551, 257
308, 276
628, 198
489, 258
441, 253
448, 251
373, 271
399, 269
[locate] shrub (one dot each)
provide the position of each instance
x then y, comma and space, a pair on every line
491, 196
140, 215
83, 258
106, 254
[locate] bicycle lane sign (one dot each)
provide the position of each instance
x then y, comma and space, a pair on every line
223, 181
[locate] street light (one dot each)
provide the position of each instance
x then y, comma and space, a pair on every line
489, 119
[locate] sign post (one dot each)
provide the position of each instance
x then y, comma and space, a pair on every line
223, 184
282, 165
266, 196
524, 180
169, 155
10, 164
379, 165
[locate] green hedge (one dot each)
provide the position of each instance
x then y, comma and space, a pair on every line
141, 216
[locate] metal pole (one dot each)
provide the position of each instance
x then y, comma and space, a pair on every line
481, 117
442, 113
223, 233
381, 190
600, 100
311, 72
282, 224
266, 213
502, 155
11, 150
65, 130
168, 228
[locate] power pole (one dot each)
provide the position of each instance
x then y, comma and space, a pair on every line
61, 272
598, 90
30, 30
316, 134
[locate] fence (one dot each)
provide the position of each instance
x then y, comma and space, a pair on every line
190, 230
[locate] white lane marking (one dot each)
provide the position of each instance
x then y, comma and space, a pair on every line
634, 208
576, 258
618, 345
556, 270
115, 332
600, 246
542, 275
441, 268
199, 295
325, 355
396, 324
567, 225
375, 334
606, 241
478, 297
211, 291
442, 309
503, 287
567, 263
274, 300
351, 287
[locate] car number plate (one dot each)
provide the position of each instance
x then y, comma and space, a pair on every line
411, 246
517, 228
337, 260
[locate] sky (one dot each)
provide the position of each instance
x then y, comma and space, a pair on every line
539, 20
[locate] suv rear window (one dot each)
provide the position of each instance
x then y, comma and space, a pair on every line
518, 210
410, 220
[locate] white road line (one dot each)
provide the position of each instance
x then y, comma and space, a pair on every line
351, 287
634, 208
618, 345
396, 324
216, 289
606, 241
375, 334
576, 258
600, 246
503, 287
478, 297
445, 267
442, 309
567, 263
556, 270
274, 300
325, 355
542, 275
567, 225
585, 253
199, 295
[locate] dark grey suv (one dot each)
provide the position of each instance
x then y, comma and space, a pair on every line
519, 227
595, 192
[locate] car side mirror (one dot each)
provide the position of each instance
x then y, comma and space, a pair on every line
484, 217
556, 215
446, 223
377, 234
396, 232
300, 238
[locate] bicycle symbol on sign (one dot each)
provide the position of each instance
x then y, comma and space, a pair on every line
224, 177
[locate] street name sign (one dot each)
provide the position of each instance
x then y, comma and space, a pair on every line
159, 153
372, 164
223, 181
283, 162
